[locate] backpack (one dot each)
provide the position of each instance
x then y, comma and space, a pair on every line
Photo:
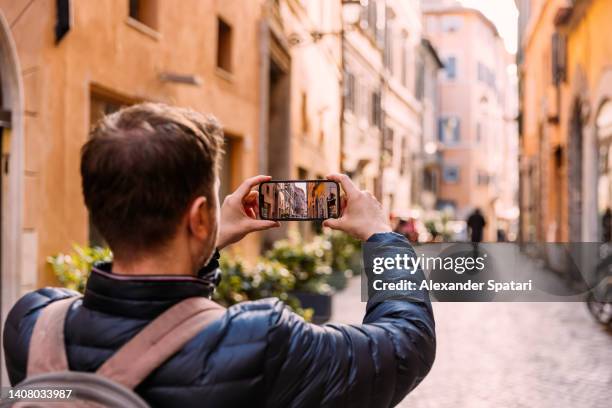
49, 380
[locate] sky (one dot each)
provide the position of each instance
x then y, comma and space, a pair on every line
503, 14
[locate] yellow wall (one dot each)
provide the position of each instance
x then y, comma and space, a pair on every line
590, 43
107, 51
547, 195
590, 68
589, 55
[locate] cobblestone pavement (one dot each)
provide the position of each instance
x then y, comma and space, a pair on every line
508, 355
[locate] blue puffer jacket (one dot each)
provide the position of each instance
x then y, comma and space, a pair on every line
258, 354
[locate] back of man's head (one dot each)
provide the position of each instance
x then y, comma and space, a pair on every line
142, 168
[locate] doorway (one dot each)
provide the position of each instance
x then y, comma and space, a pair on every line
574, 163
279, 138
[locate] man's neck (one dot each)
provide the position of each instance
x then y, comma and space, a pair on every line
169, 261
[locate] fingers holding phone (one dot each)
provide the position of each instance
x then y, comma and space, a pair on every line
362, 215
239, 213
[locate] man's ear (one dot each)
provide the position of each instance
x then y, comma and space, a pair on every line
199, 218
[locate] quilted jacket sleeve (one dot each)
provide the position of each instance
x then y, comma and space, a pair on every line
20, 324
374, 364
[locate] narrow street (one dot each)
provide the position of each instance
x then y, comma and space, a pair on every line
508, 355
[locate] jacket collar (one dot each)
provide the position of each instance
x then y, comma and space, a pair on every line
142, 296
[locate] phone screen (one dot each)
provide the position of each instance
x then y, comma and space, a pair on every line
299, 200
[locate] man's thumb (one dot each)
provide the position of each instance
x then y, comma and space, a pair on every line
260, 225
333, 223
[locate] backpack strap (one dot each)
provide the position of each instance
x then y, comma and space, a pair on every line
159, 340
47, 351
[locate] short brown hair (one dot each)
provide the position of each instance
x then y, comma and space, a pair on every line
142, 167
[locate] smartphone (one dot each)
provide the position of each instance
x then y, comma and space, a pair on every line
299, 200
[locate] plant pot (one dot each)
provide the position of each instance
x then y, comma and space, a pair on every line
337, 280
320, 303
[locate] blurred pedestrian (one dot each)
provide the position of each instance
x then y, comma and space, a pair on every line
476, 223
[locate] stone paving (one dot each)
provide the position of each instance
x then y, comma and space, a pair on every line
508, 355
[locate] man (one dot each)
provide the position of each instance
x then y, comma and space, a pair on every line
476, 223
150, 182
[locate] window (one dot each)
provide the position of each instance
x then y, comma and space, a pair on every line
304, 113
430, 180
389, 47
478, 133
559, 58
451, 24
372, 16
388, 141
224, 45
486, 75
404, 153
349, 91
404, 65
449, 130
376, 109
419, 86
144, 11
450, 67
450, 174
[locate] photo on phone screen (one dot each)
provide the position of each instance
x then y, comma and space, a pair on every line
299, 200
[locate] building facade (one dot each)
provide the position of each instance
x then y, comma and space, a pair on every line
363, 45
566, 88
429, 160
302, 66
476, 129
402, 127
64, 64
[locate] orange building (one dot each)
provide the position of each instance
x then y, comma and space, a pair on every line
566, 89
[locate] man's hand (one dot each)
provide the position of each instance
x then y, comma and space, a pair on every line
362, 214
239, 213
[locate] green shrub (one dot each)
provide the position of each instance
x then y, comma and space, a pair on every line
73, 269
268, 278
291, 265
307, 261
346, 252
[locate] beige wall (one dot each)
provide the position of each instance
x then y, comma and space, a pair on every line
402, 109
476, 105
363, 58
107, 52
315, 86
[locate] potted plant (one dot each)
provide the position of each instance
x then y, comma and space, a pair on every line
344, 257
307, 262
267, 278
